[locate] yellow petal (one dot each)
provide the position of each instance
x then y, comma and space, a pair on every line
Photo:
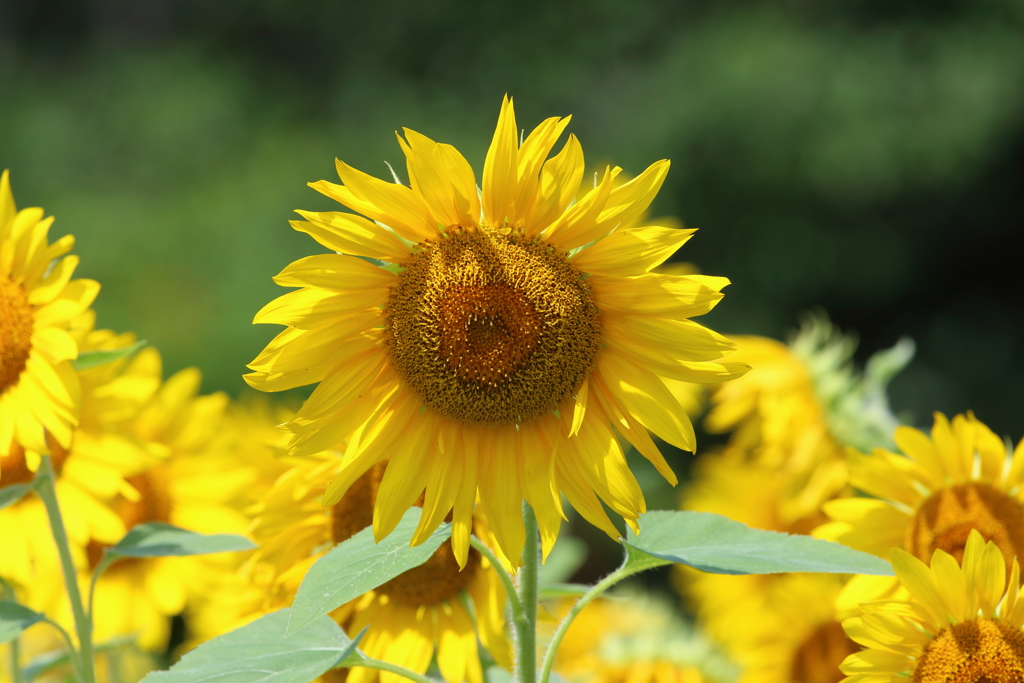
335, 273
500, 181
632, 251
351, 234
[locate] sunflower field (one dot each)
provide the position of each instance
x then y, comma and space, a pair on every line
511, 343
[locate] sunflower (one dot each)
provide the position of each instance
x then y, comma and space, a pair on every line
412, 618
961, 621
183, 475
497, 341
931, 498
89, 475
39, 392
636, 638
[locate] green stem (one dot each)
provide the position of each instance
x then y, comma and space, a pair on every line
15, 652
604, 584
526, 625
371, 663
506, 580
48, 493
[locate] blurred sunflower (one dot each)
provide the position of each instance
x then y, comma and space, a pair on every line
187, 479
961, 621
89, 475
39, 392
493, 341
960, 480
635, 638
412, 618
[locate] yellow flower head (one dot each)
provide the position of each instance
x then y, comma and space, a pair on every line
497, 341
962, 622
410, 618
636, 639
931, 498
39, 392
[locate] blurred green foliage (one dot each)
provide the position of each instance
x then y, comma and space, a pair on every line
864, 156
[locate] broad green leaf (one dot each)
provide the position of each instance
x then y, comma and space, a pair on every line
92, 359
717, 544
9, 495
157, 539
14, 619
259, 653
358, 565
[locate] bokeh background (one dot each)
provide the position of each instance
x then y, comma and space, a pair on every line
864, 156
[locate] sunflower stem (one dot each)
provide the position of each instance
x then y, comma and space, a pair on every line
506, 580
600, 587
15, 654
46, 490
526, 625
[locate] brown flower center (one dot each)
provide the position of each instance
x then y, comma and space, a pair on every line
976, 651
16, 321
491, 329
436, 581
946, 519
154, 505
818, 658
14, 469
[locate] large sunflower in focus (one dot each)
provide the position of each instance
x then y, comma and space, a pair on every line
39, 391
498, 341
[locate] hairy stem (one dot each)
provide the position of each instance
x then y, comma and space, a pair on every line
526, 625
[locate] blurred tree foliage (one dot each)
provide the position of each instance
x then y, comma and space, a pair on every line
864, 156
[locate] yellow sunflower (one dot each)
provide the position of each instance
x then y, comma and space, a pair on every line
634, 638
89, 475
779, 423
183, 476
412, 618
961, 621
961, 479
787, 631
39, 393
497, 341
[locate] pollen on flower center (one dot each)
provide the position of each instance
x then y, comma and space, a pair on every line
818, 658
976, 651
946, 519
491, 328
16, 322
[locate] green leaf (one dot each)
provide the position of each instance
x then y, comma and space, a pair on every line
717, 544
92, 359
9, 495
157, 539
259, 653
14, 619
358, 565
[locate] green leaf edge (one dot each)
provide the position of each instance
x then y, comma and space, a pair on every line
92, 359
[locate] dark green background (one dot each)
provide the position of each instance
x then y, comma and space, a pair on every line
864, 156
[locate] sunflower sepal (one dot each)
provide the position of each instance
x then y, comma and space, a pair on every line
718, 545
259, 650
91, 359
360, 564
